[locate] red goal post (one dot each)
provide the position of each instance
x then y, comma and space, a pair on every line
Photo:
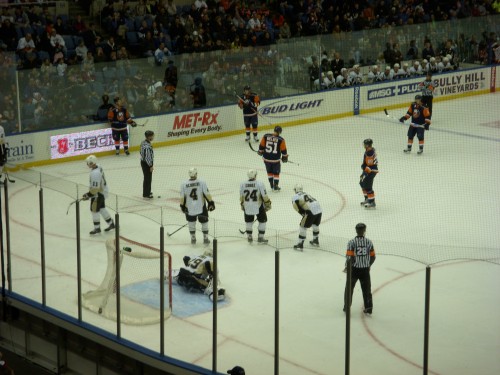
140, 278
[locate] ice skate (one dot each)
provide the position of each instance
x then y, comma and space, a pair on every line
95, 231
250, 239
419, 152
370, 205
247, 138
255, 139
206, 241
299, 246
364, 202
407, 150
111, 226
314, 242
193, 240
262, 240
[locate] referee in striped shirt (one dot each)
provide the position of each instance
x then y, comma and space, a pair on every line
362, 254
147, 157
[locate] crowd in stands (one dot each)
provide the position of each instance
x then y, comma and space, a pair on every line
63, 56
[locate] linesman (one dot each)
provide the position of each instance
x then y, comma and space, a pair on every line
362, 254
428, 87
147, 163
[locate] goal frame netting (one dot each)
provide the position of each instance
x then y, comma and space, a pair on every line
138, 263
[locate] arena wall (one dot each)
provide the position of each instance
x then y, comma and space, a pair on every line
39, 148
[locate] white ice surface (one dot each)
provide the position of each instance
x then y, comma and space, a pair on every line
443, 204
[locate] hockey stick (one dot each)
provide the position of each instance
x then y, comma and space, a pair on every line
253, 109
137, 124
175, 231
394, 118
72, 203
251, 147
244, 231
9, 179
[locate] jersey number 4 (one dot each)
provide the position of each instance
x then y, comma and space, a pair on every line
194, 194
250, 195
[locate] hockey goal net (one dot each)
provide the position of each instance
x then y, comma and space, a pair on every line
140, 283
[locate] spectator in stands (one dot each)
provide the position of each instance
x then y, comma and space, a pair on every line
199, 4
398, 55
91, 37
198, 95
140, 9
161, 53
254, 24
81, 51
109, 47
79, 25
148, 45
313, 71
428, 51
336, 64
88, 67
8, 34
143, 29
47, 69
61, 67
100, 56
171, 9
57, 42
102, 111
284, 31
26, 51
21, 18
412, 53
62, 27
5, 369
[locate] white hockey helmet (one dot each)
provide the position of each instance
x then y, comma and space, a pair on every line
252, 173
374, 67
193, 172
432, 59
424, 61
396, 65
405, 65
445, 59
298, 188
388, 67
91, 160
208, 253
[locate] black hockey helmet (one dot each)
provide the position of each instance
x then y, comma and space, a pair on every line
360, 227
368, 142
278, 129
149, 133
247, 88
418, 97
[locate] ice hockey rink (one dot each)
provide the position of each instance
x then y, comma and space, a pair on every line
441, 207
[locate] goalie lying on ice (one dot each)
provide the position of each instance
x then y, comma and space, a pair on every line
197, 275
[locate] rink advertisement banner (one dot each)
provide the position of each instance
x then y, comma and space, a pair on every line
456, 83
81, 143
22, 148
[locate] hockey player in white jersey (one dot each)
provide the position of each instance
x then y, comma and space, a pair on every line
194, 195
310, 210
433, 65
388, 76
397, 72
405, 71
254, 202
445, 65
342, 79
98, 192
355, 76
416, 69
197, 274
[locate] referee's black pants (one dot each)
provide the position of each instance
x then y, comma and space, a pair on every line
363, 275
148, 176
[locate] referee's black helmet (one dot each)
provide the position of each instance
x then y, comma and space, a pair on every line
360, 227
149, 133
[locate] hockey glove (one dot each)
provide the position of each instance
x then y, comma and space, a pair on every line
402, 119
184, 208
267, 205
86, 196
133, 124
211, 205
284, 158
186, 260
426, 126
